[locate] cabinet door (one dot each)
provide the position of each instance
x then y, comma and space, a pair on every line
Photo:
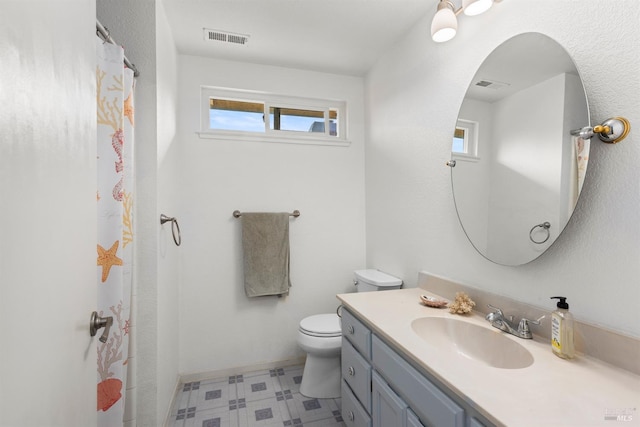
473, 422
426, 399
412, 419
388, 408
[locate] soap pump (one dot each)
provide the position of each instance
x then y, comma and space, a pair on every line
562, 330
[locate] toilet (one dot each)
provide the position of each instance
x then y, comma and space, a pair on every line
320, 336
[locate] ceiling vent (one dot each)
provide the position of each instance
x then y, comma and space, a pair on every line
490, 84
225, 36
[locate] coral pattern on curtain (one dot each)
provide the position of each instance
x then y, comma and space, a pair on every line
115, 226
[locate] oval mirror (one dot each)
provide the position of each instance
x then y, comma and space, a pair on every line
518, 171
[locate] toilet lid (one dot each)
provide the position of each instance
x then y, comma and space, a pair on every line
321, 325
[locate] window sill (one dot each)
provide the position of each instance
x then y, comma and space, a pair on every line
464, 157
267, 138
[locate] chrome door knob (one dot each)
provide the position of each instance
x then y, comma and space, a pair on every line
351, 371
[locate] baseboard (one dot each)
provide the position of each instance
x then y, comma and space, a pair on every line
202, 376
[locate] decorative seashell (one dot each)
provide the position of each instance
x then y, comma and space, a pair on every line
432, 302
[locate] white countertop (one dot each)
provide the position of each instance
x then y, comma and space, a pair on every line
551, 392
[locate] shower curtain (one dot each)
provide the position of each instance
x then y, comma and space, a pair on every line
114, 88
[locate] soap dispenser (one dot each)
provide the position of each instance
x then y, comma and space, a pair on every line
562, 330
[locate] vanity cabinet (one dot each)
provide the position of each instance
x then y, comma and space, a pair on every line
381, 389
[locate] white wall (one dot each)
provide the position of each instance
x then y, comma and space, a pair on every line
168, 202
413, 97
219, 326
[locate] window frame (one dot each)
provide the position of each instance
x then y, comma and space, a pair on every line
269, 101
471, 130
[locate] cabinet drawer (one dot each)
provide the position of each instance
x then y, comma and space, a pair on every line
358, 334
353, 414
424, 397
356, 371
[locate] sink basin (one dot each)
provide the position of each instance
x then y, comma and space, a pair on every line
486, 345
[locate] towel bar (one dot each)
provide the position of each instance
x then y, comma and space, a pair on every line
238, 214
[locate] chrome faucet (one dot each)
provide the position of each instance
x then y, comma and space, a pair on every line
497, 320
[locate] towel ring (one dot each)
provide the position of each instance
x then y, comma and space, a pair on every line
174, 226
545, 226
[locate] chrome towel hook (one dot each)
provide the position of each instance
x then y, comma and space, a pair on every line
175, 228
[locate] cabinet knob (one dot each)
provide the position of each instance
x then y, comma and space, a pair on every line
351, 416
351, 371
351, 329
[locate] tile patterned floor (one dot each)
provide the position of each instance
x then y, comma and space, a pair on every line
263, 398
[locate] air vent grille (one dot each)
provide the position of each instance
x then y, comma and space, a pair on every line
225, 36
491, 84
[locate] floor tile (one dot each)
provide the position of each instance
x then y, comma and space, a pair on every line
309, 409
291, 378
217, 417
213, 394
181, 400
265, 412
330, 422
266, 398
258, 386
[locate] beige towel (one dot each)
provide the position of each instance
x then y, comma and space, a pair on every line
265, 246
582, 158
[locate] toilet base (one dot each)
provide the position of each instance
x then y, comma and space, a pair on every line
321, 377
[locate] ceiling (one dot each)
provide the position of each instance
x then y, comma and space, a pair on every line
335, 36
519, 63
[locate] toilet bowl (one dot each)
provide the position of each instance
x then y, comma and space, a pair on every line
320, 336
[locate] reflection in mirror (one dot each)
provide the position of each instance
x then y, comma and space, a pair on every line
518, 169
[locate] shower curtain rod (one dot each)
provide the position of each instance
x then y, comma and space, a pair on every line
104, 35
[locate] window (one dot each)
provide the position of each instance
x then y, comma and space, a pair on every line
234, 114
465, 140
226, 114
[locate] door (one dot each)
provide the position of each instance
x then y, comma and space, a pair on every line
47, 213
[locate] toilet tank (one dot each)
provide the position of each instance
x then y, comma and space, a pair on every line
375, 280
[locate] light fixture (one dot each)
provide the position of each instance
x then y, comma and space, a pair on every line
445, 24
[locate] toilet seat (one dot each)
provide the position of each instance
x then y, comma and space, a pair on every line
321, 325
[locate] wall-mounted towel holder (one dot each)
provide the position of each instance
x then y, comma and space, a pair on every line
175, 228
611, 131
238, 214
545, 226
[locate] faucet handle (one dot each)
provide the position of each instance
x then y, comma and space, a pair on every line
497, 310
523, 326
533, 322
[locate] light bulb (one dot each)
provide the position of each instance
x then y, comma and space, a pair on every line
475, 7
